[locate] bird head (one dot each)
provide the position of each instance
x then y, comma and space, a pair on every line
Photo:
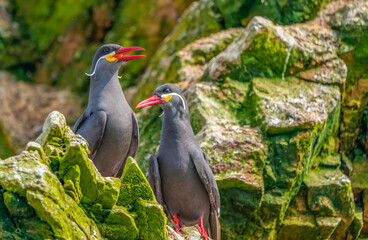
168, 96
111, 56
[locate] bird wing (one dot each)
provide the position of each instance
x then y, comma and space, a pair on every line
208, 180
133, 144
154, 179
135, 137
92, 128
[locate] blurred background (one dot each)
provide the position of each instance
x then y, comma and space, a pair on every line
278, 92
52, 43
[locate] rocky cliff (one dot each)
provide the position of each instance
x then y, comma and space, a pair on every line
280, 110
53, 191
278, 95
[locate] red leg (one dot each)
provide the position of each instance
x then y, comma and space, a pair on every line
201, 229
178, 227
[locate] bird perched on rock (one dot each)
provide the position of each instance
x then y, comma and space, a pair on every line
109, 124
180, 176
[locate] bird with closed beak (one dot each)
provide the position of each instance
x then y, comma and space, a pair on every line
108, 124
180, 175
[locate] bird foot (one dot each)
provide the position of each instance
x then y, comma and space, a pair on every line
201, 229
178, 227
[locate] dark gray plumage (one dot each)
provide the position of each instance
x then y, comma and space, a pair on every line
180, 176
109, 124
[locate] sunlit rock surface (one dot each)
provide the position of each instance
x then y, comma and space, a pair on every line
278, 98
267, 105
53, 191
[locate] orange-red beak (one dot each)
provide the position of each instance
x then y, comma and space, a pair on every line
124, 50
154, 100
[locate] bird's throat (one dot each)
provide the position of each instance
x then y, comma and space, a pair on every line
176, 125
104, 85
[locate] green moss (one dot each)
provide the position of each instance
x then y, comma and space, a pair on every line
136, 194
28, 177
17, 206
237, 13
90, 181
333, 185
233, 11
236, 201
200, 20
110, 192
134, 185
290, 158
150, 220
357, 225
35, 229
33, 146
6, 150
149, 135
196, 120
301, 10
7, 227
264, 57
303, 228
360, 171
72, 183
43, 20
269, 9
119, 224
75, 201
52, 130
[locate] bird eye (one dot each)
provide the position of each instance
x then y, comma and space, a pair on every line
106, 50
166, 90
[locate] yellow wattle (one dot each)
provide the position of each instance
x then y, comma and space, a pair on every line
166, 99
110, 58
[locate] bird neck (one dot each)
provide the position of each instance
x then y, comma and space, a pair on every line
176, 125
104, 84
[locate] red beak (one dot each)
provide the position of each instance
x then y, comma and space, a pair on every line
124, 50
154, 100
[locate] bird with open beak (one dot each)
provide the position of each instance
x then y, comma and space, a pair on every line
180, 175
108, 124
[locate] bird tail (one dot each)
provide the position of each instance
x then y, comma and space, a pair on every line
215, 225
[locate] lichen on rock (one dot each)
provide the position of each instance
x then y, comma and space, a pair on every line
266, 108
55, 190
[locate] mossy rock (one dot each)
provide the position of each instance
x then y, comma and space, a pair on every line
236, 13
267, 50
307, 227
201, 19
53, 190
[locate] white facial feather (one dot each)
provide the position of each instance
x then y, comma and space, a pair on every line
174, 94
94, 70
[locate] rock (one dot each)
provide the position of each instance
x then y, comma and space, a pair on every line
187, 66
265, 107
236, 13
351, 25
199, 20
280, 110
187, 233
305, 227
267, 50
55, 190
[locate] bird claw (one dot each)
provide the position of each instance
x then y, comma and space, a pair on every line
201, 229
202, 232
178, 227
